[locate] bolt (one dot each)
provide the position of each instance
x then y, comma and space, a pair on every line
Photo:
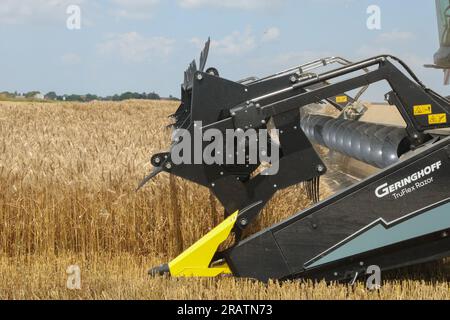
293, 79
263, 121
244, 222
336, 274
199, 77
275, 186
444, 235
213, 185
221, 173
361, 263
320, 168
168, 166
157, 160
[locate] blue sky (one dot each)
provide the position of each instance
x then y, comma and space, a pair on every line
145, 45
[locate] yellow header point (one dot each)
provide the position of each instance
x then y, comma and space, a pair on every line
196, 261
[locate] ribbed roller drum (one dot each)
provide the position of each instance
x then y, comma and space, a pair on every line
377, 145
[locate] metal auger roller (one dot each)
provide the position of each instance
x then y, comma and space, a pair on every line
374, 144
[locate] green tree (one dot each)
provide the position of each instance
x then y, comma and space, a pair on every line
74, 97
31, 94
153, 96
51, 96
91, 97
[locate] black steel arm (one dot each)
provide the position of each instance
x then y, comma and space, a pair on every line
406, 95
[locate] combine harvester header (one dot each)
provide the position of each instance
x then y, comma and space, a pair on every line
362, 225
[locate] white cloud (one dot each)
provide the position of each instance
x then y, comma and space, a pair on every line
133, 47
236, 43
135, 3
371, 50
385, 43
233, 4
271, 34
134, 9
22, 11
30, 11
70, 58
291, 59
239, 42
395, 36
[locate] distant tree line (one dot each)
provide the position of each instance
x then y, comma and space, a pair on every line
52, 96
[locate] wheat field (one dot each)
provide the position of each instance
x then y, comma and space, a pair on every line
68, 174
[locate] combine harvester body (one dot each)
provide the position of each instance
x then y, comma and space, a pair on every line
442, 56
